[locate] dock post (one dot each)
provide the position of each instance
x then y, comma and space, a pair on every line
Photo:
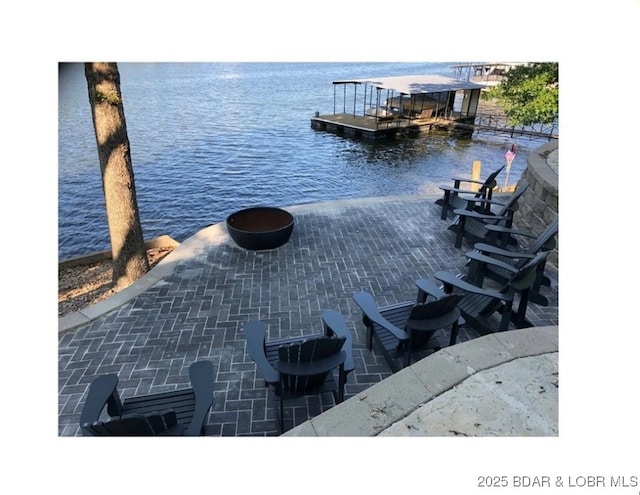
475, 173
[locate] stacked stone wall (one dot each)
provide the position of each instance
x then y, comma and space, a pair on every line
539, 204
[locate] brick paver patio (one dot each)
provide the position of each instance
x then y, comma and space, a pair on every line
199, 309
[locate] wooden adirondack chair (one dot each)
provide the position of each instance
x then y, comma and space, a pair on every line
301, 366
478, 269
179, 412
451, 199
479, 304
403, 328
472, 225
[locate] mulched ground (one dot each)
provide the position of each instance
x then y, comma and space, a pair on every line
83, 285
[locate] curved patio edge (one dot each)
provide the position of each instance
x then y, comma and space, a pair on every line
502, 384
213, 235
209, 236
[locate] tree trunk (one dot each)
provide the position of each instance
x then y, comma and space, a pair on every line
127, 242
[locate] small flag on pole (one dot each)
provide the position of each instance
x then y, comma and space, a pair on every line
509, 156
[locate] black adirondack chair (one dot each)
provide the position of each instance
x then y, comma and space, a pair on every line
478, 269
472, 225
403, 328
300, 366
478, 304
451, 199
174, 413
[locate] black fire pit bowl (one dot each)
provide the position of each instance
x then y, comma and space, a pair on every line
259, 228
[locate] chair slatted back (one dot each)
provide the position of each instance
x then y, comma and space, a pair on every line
307, 351
157, 423
525, 277
512, 202
489, 184
435, 309
453, 201
487, 187
545, 240
435, 314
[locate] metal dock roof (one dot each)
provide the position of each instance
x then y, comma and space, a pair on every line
414, 85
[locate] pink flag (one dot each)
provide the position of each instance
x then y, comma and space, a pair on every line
510, 154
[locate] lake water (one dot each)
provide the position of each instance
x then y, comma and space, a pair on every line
209, 139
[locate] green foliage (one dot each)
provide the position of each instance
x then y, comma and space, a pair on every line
529, 94
111, 98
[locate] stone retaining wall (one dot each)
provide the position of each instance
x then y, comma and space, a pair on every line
539, 204
478, 388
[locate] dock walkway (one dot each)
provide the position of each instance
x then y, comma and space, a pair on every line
369, 128
363, 126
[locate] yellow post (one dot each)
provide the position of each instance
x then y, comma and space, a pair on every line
475, 173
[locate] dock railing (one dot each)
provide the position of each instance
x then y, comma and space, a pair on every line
498, 124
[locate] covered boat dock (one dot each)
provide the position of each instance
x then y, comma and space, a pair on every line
487, 73
385, 107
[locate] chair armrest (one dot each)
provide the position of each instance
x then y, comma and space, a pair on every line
481, 199
100, 391
429, 288
370, 309
497, 251
335, 324
256, 333
201, 374
480, 216
458, 180
460, 191
488, 260
507, 230
448, 279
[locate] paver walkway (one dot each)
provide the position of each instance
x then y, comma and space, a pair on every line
194, 305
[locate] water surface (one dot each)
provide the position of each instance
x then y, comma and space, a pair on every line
209, 139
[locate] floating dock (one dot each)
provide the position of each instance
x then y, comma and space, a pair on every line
403, 105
